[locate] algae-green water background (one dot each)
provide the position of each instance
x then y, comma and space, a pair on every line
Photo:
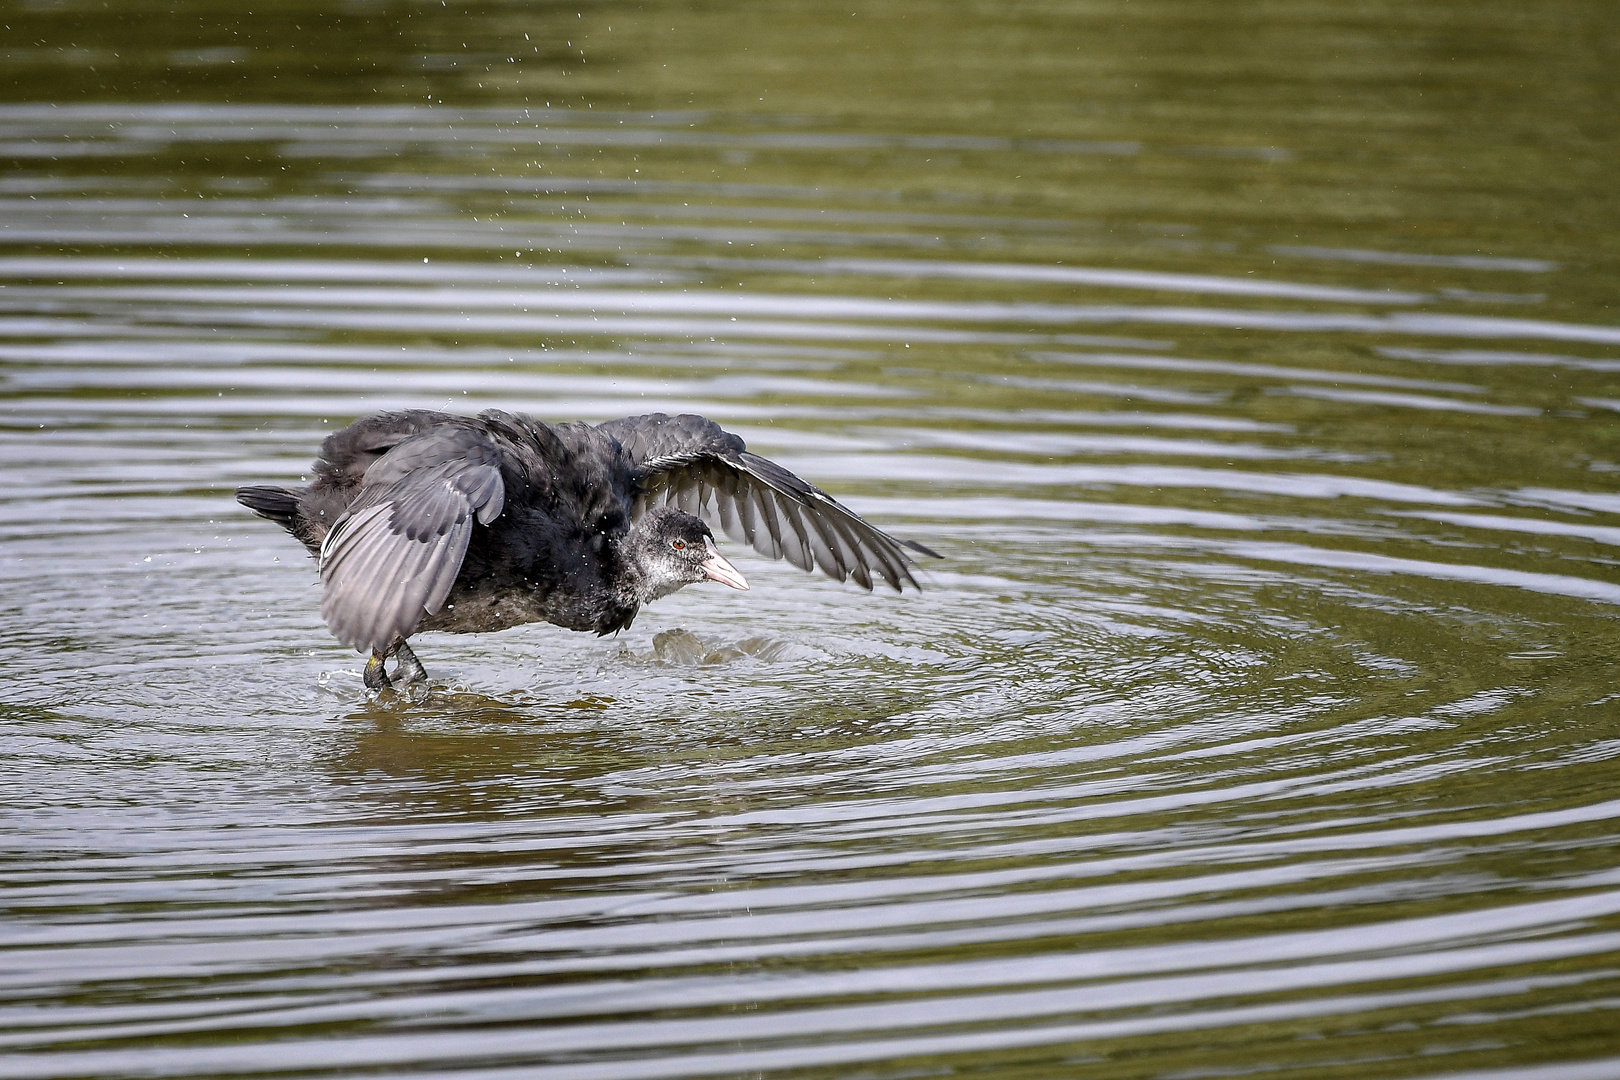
1255, 366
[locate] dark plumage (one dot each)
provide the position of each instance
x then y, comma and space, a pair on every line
427, 521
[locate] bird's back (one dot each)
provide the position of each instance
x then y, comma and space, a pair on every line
572, 473
550, 555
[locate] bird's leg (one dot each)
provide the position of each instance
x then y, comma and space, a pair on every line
410, 668
376, 675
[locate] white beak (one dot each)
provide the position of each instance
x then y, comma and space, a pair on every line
716, 568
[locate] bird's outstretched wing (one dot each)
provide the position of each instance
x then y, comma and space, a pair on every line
394, 554
695, 464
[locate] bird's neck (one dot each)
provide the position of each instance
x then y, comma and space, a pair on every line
629, 576
641, 579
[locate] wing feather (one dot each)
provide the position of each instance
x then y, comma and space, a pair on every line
395, 554
686, 460
686, 497
850, 546
826, 557
745, 513
725, 505
771, 515
796, 538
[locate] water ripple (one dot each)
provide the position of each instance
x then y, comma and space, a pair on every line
1259, 718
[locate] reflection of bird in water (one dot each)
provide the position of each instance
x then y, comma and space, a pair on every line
427, 521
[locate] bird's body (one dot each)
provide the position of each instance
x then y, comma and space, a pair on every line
429, 521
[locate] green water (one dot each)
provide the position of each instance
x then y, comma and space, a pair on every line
1256, 367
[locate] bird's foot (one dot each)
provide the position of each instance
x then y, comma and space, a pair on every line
376, 675
410, 668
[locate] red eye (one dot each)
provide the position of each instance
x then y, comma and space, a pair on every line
678, 545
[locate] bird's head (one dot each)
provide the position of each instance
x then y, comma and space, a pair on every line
672, 549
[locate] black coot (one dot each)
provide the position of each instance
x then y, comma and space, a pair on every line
427, 521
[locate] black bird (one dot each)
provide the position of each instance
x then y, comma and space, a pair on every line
428, 521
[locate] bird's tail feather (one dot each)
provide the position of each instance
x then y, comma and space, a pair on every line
278, 504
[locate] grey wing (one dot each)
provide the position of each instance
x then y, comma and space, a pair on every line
395, 553
692, 463
655, 435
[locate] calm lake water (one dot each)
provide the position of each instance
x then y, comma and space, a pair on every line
1255, 367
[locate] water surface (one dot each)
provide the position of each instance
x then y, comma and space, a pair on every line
1255, 371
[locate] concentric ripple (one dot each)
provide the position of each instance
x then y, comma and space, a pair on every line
1260, 720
